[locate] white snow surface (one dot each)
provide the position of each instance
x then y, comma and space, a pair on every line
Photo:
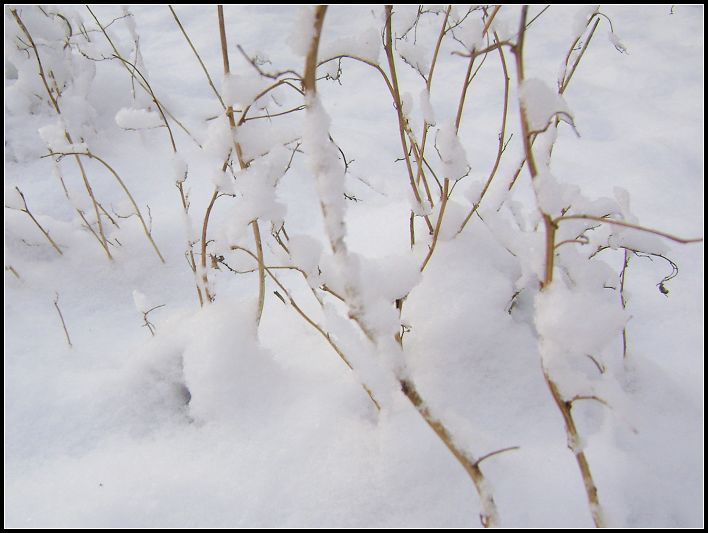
219, 422
136, 119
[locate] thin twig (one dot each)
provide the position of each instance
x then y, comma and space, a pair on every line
61, 317
27, 211
191, 45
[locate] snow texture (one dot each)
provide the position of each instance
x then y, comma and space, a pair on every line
220, 421
136, 119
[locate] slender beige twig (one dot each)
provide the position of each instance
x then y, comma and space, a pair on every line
191, 45
146, 323
27, 211
438, 224
61, 317
8, 268
623, 300
606, 220
502, 143
468, 77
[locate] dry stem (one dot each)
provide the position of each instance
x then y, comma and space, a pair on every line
36, 222
550, 226
125, 189
61, 317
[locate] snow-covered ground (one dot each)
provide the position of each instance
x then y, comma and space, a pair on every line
215, 421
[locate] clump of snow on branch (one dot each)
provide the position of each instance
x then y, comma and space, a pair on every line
137, 119
219, 139
426, 107
305, 254
416, 56
553, 197
179, 168
573, 324
541, 104
140, 301
241, 90
617, 43
54, 135
323, 161
452, 153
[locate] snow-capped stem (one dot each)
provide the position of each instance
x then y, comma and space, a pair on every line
402, 121
309, 81
242, 165
550, 225
201, 63
489, 516
102, 241
26, 210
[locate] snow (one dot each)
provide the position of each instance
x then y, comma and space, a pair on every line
141, 302
135, 119
241, 90
365, 45
220, 421
426, 107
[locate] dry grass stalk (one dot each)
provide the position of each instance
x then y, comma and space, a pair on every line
27, 211
125, 189
103, 241
61, 317
201, 63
